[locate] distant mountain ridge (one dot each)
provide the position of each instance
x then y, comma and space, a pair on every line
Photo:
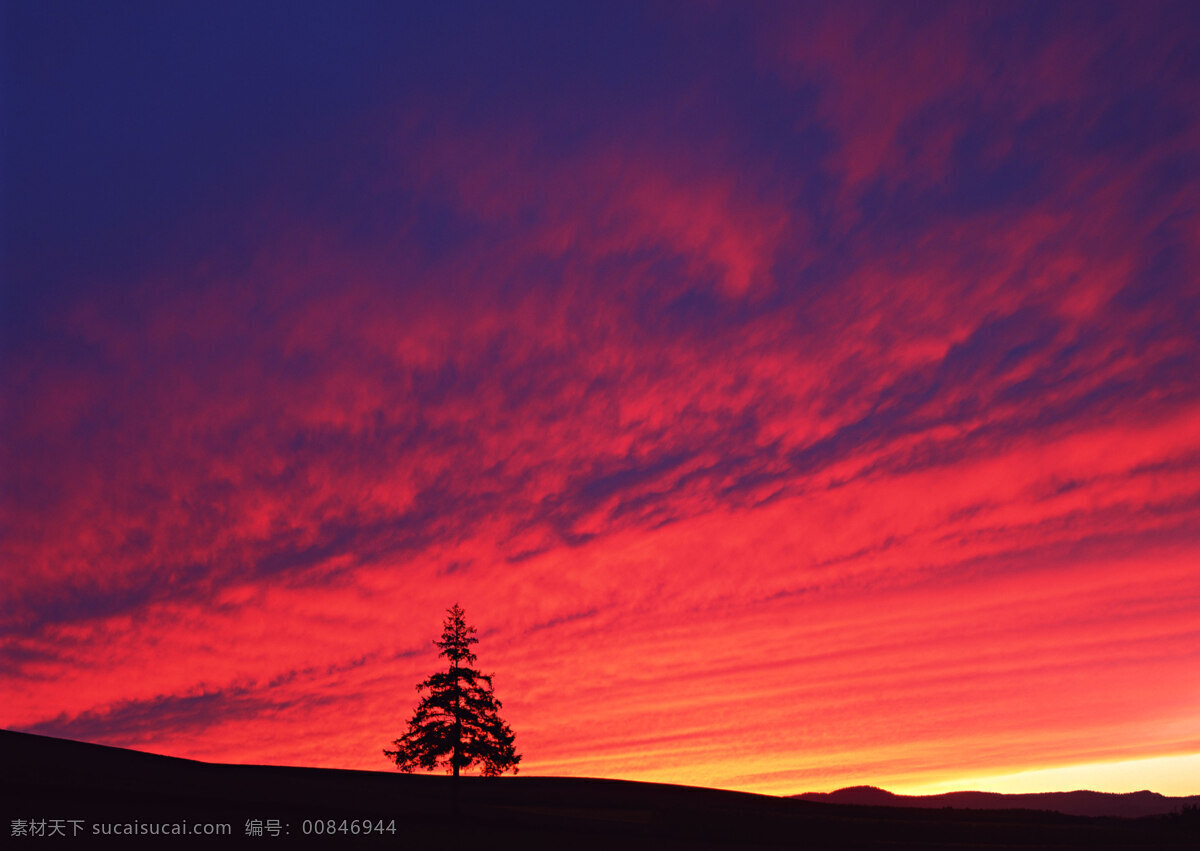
1078, 803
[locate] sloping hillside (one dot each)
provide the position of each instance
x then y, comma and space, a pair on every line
89, 788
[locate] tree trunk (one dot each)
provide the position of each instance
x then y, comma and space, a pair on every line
454, 796
454, 757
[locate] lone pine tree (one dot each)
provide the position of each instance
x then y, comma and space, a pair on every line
457, 723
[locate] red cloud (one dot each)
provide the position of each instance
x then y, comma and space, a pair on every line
815, 475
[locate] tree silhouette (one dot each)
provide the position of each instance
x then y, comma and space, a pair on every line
457, 723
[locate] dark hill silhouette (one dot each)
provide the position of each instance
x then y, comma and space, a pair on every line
1078, 803
46, 778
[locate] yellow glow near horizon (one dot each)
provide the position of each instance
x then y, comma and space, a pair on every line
1168, 775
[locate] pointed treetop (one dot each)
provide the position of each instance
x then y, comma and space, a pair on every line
457, 637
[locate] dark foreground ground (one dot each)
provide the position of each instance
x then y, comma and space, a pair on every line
52, 785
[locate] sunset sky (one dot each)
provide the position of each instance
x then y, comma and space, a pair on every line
794, 395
